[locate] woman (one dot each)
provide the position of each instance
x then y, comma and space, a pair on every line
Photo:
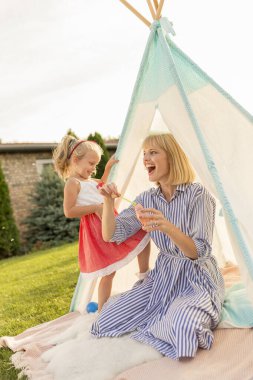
176, 307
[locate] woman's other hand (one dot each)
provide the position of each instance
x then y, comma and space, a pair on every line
153, 220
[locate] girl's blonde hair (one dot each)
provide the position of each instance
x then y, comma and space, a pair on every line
70, 147
180, 170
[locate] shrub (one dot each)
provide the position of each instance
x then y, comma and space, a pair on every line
105, 157
9, 235
47, 225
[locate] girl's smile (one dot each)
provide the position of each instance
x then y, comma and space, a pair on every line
86, 166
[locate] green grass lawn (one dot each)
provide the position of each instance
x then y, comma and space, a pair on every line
34, 288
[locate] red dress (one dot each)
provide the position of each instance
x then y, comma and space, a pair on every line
97, 257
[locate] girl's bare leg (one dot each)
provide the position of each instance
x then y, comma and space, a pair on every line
143, 259
104, 289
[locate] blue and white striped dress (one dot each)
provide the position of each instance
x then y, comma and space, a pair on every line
179, 303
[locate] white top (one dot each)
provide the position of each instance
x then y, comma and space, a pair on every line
89, 194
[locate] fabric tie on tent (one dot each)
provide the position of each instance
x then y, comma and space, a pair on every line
166, 25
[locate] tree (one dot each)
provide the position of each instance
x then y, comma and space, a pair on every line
72, 133
47, 225
9, 236
105, 157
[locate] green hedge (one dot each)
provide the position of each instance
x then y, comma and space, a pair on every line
9, 235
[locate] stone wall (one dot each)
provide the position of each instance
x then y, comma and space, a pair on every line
21, 171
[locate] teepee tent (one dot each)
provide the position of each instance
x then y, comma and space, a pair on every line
173, 94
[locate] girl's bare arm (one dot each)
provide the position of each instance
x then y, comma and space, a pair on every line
112, 161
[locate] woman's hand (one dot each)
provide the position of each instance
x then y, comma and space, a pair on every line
109, 191
153, 220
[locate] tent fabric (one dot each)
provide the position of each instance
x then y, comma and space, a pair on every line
237, 311
173, 94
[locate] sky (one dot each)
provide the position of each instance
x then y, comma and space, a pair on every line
73, 64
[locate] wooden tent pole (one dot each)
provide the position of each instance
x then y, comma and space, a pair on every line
159, 9
132, 9
156, 4
153, 13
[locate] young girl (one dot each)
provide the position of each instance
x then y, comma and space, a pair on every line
76, 161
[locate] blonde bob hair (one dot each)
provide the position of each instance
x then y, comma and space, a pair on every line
70, 149
180, 170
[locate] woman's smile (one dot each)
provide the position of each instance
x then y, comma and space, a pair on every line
156, 163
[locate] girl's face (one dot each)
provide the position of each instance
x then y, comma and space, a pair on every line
156, 162
86, 165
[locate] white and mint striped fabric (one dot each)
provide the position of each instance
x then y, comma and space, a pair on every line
178, 305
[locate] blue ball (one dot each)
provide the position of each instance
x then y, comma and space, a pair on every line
92, 307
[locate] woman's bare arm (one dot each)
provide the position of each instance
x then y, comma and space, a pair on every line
109, 192
108, 219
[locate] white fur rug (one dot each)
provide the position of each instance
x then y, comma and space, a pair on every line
79, 356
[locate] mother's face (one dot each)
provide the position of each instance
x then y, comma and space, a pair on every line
156, 163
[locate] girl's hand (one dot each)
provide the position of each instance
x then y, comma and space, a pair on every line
109, 191
112, 161
153, 220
